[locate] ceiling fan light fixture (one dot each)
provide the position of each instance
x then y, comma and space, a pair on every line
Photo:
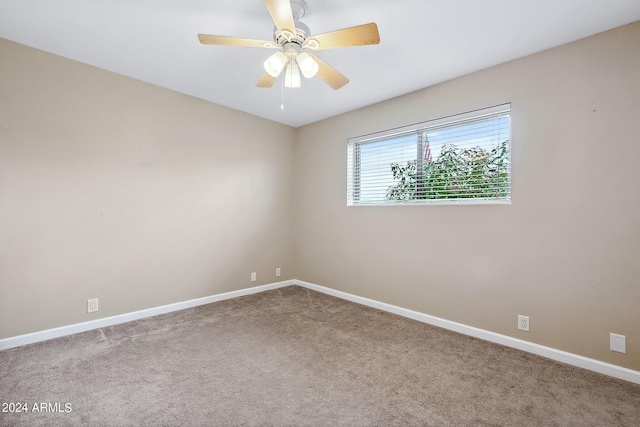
275, 64
308, 66
292, 75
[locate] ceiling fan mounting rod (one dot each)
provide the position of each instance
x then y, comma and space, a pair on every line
298, 9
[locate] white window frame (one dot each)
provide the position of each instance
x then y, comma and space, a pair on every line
353, 157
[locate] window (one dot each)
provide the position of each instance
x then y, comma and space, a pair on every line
459, 159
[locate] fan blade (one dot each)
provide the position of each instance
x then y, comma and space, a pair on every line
267, 80
233, 41
329, 75
360, 35
280, 11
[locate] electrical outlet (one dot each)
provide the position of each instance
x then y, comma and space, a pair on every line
278, 272
523, 323
253, 277
618, 343
92, 305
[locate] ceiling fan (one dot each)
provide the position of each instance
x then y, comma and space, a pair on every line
294, 42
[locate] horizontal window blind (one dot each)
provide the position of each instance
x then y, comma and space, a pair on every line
458, 159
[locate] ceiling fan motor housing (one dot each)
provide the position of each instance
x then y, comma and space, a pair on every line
282, 38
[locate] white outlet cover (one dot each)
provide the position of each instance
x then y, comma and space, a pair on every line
278, 272
92, 305
523, 323
253, 277
618, 343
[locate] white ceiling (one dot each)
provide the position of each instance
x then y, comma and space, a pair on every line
423, 42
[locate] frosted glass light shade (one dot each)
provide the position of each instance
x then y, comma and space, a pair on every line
307, 65
292, 75
275, 64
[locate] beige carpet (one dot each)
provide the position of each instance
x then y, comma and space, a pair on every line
294, 357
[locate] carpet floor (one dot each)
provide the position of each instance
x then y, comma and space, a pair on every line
295, 357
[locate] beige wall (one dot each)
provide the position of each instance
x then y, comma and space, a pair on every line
565, 252
115, 189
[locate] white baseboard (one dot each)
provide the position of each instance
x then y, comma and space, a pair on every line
548, 352
62, 331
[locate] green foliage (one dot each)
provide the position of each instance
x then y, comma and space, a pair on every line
456, 174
